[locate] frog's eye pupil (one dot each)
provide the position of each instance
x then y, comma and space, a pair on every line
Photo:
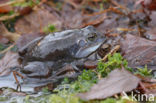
82, 43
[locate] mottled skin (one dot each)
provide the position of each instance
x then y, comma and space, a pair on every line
45, 55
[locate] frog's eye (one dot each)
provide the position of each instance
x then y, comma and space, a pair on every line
82, 43
92, 37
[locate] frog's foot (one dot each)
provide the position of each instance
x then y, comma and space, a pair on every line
18, 83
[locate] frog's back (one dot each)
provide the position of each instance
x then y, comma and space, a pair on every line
57, 44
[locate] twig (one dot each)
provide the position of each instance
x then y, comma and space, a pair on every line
143, 87
3, 18
71, 3
100, 12
116, 48
11, 2
116, 96
7, 49
120, 6
95, 22
125, 29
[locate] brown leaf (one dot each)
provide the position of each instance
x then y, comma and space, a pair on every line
80, 20
76, 20
147, 88
153, 19
3, 40
37, 20
6, 8
10, 60
9, 35
26, 38
116, 82
90, 64
150, 4
139, 51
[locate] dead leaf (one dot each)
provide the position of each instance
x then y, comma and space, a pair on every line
10, 60
90, 64
116, 82
150, 4
147, 88
9, 35
6, 8
26, 38
3, 40
80, 20
76, 20
139, 51
153, 19
37, 20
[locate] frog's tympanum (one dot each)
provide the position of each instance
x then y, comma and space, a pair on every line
43, 56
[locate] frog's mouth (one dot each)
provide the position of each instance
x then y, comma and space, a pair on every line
88, 50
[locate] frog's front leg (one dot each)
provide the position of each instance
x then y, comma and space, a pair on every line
38, 69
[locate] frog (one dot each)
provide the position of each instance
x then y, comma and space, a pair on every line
44, 56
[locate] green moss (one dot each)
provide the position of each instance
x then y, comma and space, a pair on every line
114, 62
109, 100
49, 29
2, 99
45, 90
67, 90
67, 99
143, 71
29, 3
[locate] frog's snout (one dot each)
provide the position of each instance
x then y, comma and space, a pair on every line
88, 49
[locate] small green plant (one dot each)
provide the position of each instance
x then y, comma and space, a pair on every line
143, 71
114, 62
29, 3
105, 1
109, 100
45, 90
85, 81
68, 99
49, 29
67, 90
1, 47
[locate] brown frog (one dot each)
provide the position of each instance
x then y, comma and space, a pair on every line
44, 56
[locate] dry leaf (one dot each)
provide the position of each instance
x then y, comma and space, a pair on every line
10, 60
153, 19
9, 35
6, 8
116, 82
26, 38
139, 51
37, 20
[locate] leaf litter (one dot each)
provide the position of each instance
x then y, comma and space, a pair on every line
128, 23
117, 81
8, 62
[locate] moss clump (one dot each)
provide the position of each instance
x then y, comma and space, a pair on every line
66, 91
